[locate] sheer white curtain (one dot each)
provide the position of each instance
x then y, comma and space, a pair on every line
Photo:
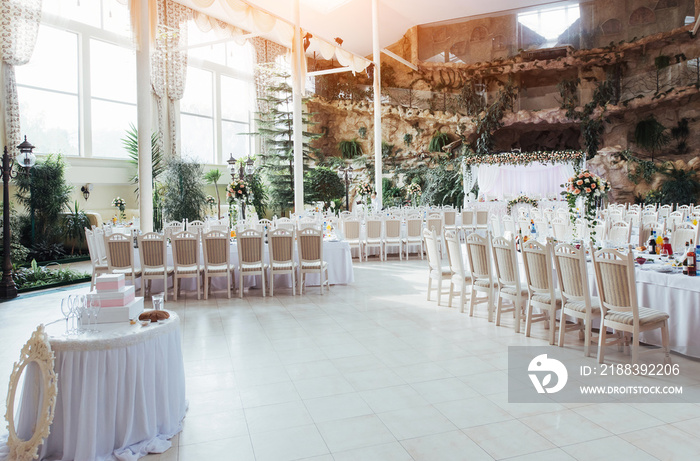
20, 27
470, 176
543, 179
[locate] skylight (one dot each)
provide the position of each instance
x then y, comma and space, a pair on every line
550, 23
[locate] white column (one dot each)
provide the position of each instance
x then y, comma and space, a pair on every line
376, 52
297, 56
143, 102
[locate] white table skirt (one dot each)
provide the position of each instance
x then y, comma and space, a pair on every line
335, 253
121, 392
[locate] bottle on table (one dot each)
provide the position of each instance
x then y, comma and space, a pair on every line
684, 258
652, 243
690, 256
697, 255
659, 243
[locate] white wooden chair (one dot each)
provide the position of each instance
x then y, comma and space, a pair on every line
436, 271
449, 218
577, 302
216, 247
434, 221
120, 257
479, 257
98, 267
153, 252
173, 227
392, 236
682, 233
619, 233
284, 223
351, 232
617, 288
665, 211
196, 227
251, 254
281, 246
562, 229
459, 278
468, 222
540, 286
495, 226
481, 221
414, 236
186, 263
675, 219
649, 217
373, 237
507, 277
310, 243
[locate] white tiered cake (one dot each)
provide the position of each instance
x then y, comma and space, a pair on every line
117, 301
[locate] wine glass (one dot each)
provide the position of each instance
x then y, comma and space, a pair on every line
94, 307
80, 314
66, 310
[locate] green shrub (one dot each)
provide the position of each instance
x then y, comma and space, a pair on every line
184, 196
37, 276
323, 185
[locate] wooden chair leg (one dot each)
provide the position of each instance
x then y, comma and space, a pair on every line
528, 321
664, 343
601, 342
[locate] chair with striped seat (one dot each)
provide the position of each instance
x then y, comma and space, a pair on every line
281, 245
120, 256
98, 267
479, 257
540, 286
577, 302
615, 278
508, 279
414, 227
310, 243
436, 271
216, 247
392, 236
186, 260
251, 254
373, 237
153, 252
351, 233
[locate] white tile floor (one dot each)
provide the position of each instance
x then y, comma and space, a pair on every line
373, 371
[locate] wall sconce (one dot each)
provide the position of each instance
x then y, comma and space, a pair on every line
86, 190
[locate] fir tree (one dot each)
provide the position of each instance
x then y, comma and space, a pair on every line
275, 128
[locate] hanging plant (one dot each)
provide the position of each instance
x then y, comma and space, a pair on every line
651, 135
438, 141
350, 149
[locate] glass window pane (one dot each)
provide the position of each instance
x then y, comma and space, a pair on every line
109, 124
197, 138
240, 57
198, 93
212, 53
112, 72
49, 120
115, 18
236, 99
54, 63
86, 11
233, 142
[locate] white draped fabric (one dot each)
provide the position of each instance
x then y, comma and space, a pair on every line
499, 181
20, 27
121, 392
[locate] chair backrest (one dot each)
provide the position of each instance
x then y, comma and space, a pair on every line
684, 232
505, 262
619, 233
685, 209
265, 225
153, 249
434, 221
250, 246
430, 238
374, 228
495, 226
646, 230
454, 252
482, 218
99, 240
173, 227
450, 216
185, 249
675, 218
284, 223
649, 217
310, 245
217, 248
561, 228
570, 264
351, 229
305, 223
614, 273
479, 256
392, 228
92, 246
508, 225
633, 217
413, 227
196, 226
120, 253
537, 259
665, 211
281, 245
467, 217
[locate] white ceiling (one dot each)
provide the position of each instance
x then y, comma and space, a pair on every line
352, 20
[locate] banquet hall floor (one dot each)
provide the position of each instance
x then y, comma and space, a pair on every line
373, 371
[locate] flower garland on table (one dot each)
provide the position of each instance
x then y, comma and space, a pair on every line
589, 187
120, 204
522, 199
526, 158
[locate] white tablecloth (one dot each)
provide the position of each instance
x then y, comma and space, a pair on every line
121, 392
335, 253
537, 178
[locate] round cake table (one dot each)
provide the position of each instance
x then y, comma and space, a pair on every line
121, 392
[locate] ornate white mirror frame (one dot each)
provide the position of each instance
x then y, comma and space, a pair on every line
37, 350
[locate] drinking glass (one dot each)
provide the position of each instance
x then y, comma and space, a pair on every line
93, 308
66, 311
80, 312
158, 301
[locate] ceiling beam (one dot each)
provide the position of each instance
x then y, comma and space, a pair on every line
400, 59
335, 70
216, 42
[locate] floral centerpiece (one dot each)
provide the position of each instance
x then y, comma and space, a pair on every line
521, 199
414, 191
526, 158
364, 189
589, 188
210, 201
120, 204
238, 191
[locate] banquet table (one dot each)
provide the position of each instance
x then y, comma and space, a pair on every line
121, 391
335, 252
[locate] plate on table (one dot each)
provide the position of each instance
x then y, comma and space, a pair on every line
663, 268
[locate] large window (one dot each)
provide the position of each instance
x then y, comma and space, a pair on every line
78, 92
217, 106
